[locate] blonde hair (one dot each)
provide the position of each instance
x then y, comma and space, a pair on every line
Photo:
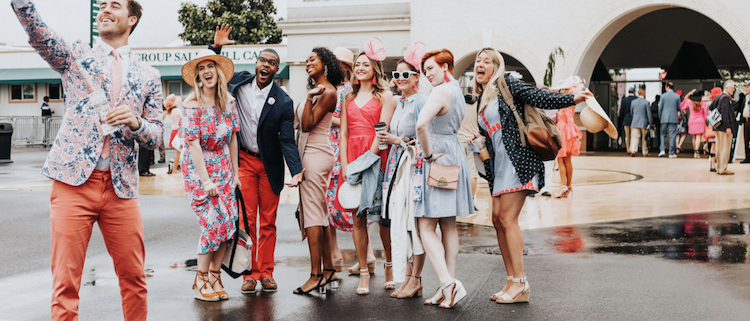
377, 90
492, 90
222, 93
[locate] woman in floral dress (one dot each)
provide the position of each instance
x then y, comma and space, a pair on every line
209, 165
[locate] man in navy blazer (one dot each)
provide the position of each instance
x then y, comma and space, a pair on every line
266, 138
626, 118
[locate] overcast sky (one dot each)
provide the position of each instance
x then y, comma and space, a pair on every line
158, 27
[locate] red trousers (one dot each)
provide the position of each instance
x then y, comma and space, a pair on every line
260, 202
73, 211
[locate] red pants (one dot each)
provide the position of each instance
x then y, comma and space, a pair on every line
260, 201
73, 211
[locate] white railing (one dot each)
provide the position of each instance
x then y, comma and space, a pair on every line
33, 130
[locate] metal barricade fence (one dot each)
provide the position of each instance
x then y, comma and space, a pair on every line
33, 130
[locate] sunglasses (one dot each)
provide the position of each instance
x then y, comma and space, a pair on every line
404, 74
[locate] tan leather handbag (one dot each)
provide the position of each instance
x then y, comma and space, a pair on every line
539, 130
442, 176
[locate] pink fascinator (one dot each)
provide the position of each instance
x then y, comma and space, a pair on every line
374, 49
414, 54
172, 101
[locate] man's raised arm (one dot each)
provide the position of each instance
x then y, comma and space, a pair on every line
44, 40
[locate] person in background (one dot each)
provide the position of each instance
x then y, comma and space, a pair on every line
94, 175
46, 109
571, 137
314, 118
210, 168
174, 111
266, 141
698, 110
642, 121
437, 128
625, 117
654, 141
682, 126
746, 125
723, 102
145, 156
468, 130
669, 108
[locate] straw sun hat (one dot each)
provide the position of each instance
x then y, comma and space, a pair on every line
595, 119
224, 63
344, 55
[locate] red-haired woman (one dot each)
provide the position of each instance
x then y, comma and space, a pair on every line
437, 128
369, 102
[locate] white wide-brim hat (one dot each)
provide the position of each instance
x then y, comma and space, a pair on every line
595, 119
225, 64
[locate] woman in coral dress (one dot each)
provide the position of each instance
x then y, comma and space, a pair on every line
571, 139
697, 120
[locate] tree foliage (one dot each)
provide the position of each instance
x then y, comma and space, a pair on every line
250, 20
551, 65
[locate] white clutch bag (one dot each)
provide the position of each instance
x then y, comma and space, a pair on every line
350, 195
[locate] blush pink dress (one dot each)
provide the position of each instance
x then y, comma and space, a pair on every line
571, 135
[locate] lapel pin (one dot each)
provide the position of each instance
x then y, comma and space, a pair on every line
271, 100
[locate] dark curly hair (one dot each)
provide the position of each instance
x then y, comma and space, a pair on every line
335, 72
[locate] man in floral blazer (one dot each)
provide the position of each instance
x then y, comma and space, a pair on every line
95, 176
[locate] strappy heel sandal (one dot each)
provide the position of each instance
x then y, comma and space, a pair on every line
354, 268
499, 294
521, 297
396, 293
334, 283
198, 290
562, 192
416, 293
433, 300
390, 285
457, 293
223, 295
321, 288
364, 291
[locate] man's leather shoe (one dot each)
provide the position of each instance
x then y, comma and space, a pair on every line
248, 286
269, 285
147, 174
745, 161
162, 161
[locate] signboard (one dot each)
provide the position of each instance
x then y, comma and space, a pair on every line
180, 55
94, 13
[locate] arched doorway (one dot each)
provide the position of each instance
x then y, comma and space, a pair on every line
658, 37
464, 70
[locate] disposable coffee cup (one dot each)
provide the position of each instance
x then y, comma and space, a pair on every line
483, 153
381, 127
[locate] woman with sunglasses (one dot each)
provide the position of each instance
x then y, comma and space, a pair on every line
370, 102
403, 131
513, 171
450, 196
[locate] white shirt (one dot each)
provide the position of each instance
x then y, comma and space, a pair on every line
251, 101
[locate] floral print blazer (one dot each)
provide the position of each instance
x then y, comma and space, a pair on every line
79, 142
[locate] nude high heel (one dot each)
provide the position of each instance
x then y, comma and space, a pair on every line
414, 294
354, 268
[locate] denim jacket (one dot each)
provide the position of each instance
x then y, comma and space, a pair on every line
366, 170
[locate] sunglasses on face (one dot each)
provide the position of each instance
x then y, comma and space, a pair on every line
404, 74
271, 62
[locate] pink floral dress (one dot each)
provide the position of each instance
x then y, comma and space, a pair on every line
341, 220
216, 215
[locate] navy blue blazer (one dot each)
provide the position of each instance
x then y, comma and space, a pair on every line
275, 130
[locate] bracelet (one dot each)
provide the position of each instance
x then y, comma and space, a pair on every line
310, 99
428, 158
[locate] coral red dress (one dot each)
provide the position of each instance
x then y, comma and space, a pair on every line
361, 124
571, 135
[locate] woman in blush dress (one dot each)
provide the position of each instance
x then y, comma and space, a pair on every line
571, 138
697, 120
314, 118
437, 131
210, 123
370, 102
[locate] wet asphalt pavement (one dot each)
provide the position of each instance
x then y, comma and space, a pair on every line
687, 267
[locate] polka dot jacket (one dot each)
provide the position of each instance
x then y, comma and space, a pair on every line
525, 161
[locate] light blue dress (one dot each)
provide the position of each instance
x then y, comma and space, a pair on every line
439, 202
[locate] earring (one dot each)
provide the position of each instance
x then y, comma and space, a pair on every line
416, 87
325, 72
200, 84
446, 77
398, 90
374, 80
356, 81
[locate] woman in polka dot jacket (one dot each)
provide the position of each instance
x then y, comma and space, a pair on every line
513, 171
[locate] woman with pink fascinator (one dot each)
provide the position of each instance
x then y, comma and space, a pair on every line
369, 103
399, 193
